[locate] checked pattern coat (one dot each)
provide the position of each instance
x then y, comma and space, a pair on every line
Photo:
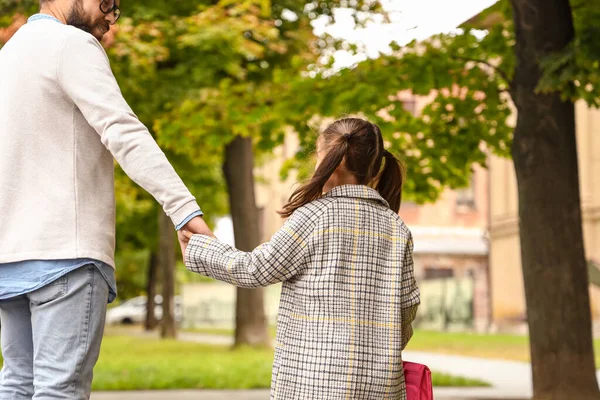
348, 297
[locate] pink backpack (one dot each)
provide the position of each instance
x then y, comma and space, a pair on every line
418, 381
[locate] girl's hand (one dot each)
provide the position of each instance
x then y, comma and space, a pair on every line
186, 234
184, 238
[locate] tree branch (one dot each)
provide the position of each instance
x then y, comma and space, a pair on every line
499, 71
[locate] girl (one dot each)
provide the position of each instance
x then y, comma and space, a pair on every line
345, 259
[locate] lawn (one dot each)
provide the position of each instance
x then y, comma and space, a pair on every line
220, 331
145, 363
508, 347
135, 363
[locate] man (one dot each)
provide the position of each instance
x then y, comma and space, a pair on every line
62, 119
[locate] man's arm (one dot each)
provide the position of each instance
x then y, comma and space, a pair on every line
85, 75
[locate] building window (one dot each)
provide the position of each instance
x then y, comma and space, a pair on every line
410, 105
466, 197
437, 273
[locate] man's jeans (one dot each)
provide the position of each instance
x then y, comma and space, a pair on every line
55, 331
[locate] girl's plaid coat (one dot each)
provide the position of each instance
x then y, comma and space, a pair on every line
348, 298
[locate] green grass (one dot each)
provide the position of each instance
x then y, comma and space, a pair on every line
136, 363
444, 380
222, 331
217, 331
510, 347
507, 347
128, 363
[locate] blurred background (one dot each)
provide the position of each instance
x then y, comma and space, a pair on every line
235, 92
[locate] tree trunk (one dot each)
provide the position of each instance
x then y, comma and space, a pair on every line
166, 257
250, 319
151, 322
554, 267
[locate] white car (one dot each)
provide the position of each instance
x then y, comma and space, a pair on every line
133, 311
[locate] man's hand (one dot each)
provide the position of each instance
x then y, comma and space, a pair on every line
194, 226
198, 226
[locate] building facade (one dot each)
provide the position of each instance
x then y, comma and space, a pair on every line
507, 291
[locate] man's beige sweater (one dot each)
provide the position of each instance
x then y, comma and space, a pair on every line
62, 120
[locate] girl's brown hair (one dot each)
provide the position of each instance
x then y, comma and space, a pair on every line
359, 145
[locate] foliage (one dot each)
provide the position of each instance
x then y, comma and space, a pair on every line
464, 79
135, 54
10, 8
200, 74
464, 105
574, 72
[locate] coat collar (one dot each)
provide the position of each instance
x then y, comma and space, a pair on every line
357, 192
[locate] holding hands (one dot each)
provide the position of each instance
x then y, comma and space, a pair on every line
195, 226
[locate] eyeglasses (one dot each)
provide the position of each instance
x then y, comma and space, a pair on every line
108, 6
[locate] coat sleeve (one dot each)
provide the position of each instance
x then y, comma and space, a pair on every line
278, 260
409, 292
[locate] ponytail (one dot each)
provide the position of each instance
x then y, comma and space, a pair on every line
359, 144
314, 188
389, 184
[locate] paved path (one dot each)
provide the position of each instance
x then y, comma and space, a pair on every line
184, 395
509, 379
440, 394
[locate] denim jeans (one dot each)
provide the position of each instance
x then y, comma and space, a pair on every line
51, 338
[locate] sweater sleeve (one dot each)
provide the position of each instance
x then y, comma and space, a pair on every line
85, 75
